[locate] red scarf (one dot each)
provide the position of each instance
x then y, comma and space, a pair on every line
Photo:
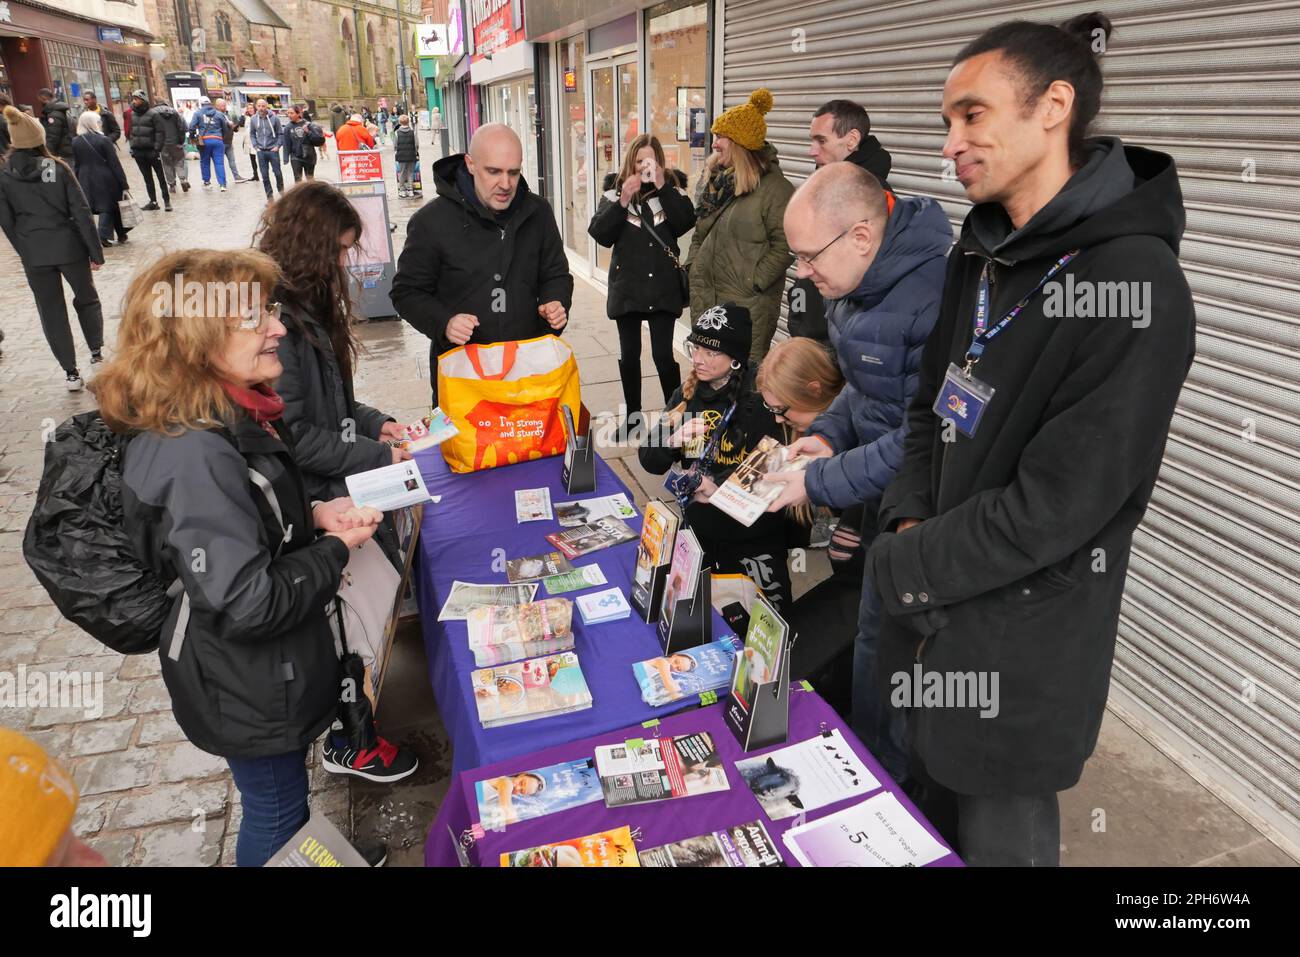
260, 402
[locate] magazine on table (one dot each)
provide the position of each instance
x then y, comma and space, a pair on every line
535, 567
388, 488
684, 575
746, 494
688, 672
585, 539
499, 633
656, 769
760, 661
466, 595
533, 505
576, 580
582, 511
744, 845
434, 429
807, 776
658, 529
606, 849
879, 832
530, 690
525, 795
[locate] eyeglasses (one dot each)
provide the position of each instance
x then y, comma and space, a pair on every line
255, 323
691, 350
808, 260
776, 410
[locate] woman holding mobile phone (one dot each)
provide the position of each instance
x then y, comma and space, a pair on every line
642, 212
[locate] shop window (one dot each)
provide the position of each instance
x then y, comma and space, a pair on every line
678, 55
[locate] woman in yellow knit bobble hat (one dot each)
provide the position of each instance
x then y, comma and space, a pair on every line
738, 251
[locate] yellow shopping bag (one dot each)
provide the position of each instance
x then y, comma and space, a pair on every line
505, 399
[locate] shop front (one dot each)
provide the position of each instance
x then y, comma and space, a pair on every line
501, 70
41, 47
253, 85
619, 71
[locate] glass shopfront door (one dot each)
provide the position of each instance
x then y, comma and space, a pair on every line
612, 86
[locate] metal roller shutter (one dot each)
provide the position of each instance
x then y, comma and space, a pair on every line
1209, 642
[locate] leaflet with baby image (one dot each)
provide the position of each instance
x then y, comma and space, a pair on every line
688, 672
526, 795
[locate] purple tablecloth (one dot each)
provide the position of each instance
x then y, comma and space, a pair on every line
663, 821
461, 538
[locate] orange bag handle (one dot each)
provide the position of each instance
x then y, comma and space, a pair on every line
507, 363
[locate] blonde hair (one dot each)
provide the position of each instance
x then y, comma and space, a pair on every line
748, 165
162, 378
801, 374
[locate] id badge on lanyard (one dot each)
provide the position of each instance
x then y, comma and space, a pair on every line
963, 397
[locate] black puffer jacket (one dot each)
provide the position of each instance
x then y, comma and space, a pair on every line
59, 128
247, 652
172, 123
47, 222
642, 276
147, 135
99, 171
458, 254
405, 147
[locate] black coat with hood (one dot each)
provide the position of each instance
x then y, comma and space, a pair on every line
805, 308
47, 221
147, 135
1018, 567
172, 123
247, 652
59, 128
642, 276
99, 171
458, 255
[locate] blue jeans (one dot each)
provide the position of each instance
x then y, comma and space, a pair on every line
268, 160
273, 792
879, 725
212, 152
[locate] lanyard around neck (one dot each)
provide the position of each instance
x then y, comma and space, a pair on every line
983, 333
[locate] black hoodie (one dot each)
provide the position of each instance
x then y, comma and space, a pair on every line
1017, 569
457, 256
805, 308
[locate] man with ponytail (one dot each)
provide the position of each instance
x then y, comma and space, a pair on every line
1034, 439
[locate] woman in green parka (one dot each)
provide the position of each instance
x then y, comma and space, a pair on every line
738, 251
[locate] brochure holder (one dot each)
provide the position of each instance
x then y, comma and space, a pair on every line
767, 722
579, 474
647, 600
690, 623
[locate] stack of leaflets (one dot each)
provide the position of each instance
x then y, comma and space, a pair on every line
684, 576
500, 633
576, 580
533, 567
760, 661
434, 429
602, 606
465, 596
745, 845
687, 673
658, 530
572, 514
585, 539
745, 495
532, 505
529, 690
606, 849
525, 795
656, 769
879, 832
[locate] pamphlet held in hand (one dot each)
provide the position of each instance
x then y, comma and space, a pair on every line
746, 493
434, 429
388, 488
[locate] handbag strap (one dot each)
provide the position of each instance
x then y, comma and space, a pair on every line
507, 362
647, 222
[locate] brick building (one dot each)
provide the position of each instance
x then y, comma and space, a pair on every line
327, 51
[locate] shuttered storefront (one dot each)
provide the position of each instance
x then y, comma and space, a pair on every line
1208, 660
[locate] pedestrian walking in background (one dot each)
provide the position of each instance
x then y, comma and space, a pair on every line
301, 137
406, 154
58, 125
100, 174
45, 217
266, 136
738, 250
147, 138
381, 120
353, 135
233, 124
108, 121
175, 165
643, 211
209, 128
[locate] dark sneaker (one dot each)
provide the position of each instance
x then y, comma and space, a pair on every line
96, 357
106, 243
168, 207
185, 186
385, 762
150, 205
75, 384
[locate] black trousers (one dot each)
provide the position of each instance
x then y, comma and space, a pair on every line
111, 220
148, 169
304, 165
46, 283
661, 349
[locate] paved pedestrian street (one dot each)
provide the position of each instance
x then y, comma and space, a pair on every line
148, 797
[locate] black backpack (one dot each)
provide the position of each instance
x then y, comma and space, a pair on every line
315, 136
78, 548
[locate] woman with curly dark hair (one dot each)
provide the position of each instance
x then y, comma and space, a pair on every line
309, 232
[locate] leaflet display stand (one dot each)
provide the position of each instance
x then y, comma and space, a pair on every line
579, 474
767, 721
647, 601
690, 621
